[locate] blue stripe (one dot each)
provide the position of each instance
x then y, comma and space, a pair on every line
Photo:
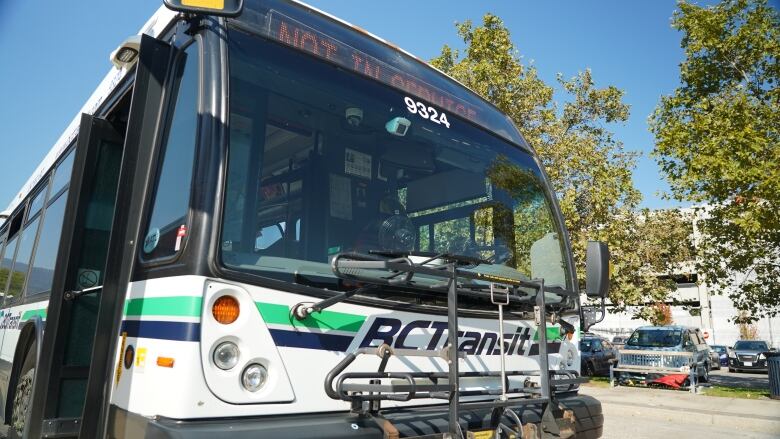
553, 347
311, 340
178, 331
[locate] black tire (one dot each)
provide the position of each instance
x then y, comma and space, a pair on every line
731, 370
588, 414
589, 370
23, 394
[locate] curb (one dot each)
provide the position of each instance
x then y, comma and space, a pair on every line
759, 424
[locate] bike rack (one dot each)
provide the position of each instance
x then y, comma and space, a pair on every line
366, 398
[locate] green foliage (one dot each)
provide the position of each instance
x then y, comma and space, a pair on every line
17, 281
717, 141
588, 167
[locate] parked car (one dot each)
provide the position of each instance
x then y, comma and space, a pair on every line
619, 340
663, 350
714, 359
748, 355
596, 354
722, 354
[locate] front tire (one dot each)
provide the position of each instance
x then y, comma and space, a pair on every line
589, 370
23, 394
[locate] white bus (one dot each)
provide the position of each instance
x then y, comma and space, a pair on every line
266, 222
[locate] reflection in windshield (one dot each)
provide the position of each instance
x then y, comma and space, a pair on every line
317, 147
658, 338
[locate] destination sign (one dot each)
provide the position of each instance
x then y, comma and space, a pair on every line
302, 37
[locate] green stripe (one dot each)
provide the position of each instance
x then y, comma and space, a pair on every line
280, 315
180, 306
553, 333
32, 313
190, 306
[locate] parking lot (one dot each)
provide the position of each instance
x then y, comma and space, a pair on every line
749, 380
639, 412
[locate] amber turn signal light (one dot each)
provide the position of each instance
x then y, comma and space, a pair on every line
225, 310
165, 361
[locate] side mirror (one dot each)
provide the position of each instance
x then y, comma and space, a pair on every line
221, 8
772, 349
597, 269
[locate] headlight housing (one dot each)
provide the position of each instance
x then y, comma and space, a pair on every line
254, 377
226, 355
761, 356
732, 354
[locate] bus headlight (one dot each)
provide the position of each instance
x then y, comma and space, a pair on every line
254, 377
226, 355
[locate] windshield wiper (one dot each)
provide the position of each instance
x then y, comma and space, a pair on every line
433, 256
303, 310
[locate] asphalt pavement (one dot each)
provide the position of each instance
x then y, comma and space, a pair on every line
644, 427
640, 412
750, 380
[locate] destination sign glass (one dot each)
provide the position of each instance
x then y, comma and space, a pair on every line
299, 27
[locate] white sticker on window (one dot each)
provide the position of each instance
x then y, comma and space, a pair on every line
151, 240
357, 163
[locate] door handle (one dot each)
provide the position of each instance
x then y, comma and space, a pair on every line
75, 294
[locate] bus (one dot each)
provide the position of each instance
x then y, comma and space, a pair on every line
267, 222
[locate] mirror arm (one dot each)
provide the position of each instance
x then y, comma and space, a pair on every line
603, 308
603, 311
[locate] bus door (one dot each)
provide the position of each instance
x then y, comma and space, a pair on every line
96, 259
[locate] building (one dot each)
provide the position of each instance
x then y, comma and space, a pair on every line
696, 305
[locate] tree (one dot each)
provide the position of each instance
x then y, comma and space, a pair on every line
589, 168
659, 314
718, 142
747, 331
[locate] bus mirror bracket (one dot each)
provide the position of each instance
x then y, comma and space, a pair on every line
593, 314
219, 8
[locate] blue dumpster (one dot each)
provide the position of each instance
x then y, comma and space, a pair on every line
773, 363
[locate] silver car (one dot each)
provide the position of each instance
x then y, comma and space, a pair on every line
654, 351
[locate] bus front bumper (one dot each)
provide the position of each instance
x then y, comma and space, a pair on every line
589, 422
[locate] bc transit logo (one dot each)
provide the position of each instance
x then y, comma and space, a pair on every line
394, 333
8, 320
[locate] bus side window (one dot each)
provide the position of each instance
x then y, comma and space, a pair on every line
45, 257
21, 264
176, 161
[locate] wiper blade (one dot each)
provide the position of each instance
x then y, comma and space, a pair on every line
432, 256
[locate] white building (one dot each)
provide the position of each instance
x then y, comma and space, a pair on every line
703, 309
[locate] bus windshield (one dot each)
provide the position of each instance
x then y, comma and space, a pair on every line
324, 161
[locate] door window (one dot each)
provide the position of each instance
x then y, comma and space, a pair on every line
171, 200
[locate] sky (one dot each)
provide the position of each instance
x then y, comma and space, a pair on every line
55, 53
